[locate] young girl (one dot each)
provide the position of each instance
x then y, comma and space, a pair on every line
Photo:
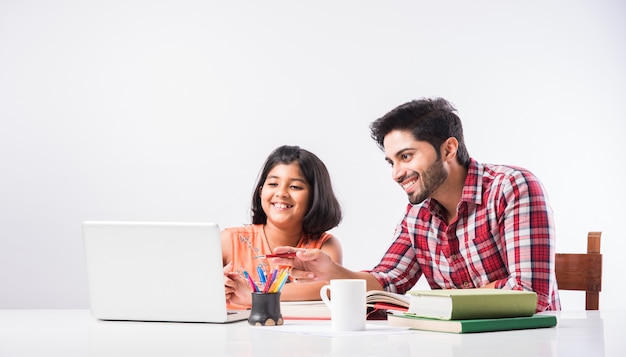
293, 205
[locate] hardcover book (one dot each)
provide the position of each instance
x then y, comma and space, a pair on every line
472, 325
463, 304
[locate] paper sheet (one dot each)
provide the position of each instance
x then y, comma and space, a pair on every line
324, 329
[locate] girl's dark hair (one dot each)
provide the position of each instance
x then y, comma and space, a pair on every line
324, 211
430, 120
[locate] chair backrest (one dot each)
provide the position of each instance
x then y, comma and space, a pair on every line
582, 271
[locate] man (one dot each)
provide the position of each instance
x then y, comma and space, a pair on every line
468, 225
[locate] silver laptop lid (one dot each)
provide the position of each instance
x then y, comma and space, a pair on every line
156, 271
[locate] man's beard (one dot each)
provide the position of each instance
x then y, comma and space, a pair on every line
429, 181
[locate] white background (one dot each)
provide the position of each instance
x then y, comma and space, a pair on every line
166, 110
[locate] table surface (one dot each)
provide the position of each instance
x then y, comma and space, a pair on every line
75, 333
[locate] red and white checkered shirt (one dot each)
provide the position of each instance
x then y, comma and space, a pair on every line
503, 233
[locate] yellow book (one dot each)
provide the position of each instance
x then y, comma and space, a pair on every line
460, 304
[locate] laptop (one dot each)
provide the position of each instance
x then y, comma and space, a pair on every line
156, 271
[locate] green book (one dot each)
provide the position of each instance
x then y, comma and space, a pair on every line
464, 304
472, 326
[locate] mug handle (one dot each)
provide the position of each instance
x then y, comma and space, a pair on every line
324, 295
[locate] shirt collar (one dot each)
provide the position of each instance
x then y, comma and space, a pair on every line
473, 188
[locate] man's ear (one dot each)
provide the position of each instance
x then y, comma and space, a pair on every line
449, 148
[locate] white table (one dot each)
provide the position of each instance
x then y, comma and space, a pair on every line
75, 333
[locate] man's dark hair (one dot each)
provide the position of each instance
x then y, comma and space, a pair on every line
431, 120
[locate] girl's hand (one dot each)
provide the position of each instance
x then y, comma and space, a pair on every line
236, 289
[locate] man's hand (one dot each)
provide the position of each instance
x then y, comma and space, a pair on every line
311, 264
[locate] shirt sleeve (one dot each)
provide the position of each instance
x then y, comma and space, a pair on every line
529, 237
398, 270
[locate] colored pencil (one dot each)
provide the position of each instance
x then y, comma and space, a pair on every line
281, 255
253, 285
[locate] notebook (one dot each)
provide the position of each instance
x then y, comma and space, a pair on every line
156, 271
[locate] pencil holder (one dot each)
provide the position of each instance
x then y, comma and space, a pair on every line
265, 309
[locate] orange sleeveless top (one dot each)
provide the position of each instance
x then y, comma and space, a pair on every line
248, 242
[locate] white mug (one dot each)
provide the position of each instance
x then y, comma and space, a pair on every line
347, 304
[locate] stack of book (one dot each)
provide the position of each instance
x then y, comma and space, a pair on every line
471, 310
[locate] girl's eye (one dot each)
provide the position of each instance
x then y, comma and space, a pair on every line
271, 184
294, 187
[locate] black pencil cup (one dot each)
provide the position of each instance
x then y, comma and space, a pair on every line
265, 310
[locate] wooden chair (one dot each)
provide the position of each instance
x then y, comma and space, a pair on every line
582, 271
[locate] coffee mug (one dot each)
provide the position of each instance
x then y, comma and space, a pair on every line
347, 304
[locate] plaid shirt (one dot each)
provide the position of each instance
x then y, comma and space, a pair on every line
503, 233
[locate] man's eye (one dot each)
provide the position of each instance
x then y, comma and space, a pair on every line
405, 157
